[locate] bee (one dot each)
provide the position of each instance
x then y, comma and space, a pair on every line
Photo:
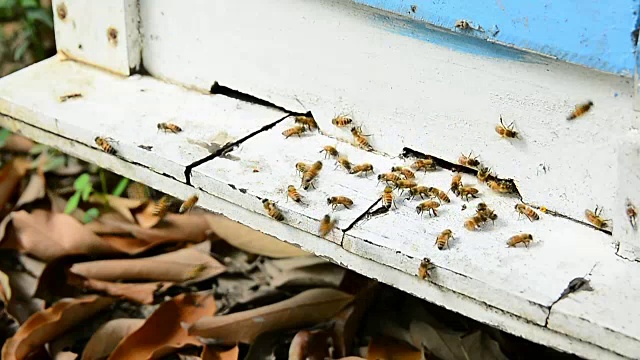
342, 121
336, 201
361, 168
467, 160
405, 184
418, 190
435, 192
424, 164
66, 97
500, 186
294, 194
302, 167
387, 197
169, 127
389, 178
527, 211
104, 145
462, 24
632, 214
466, 191
407, 173
596, 219
520, 238
425, 266
326, 225
474, 222
443, 239
329, 151
310, 174
487, 214
506, 131
307, 121
580, 110
296, 130
344, 162
360, 139
162, 206
463, 207
188, 204
429, 206
456, 184
483, 173
272, 209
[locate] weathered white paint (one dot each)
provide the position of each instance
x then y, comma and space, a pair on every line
102, 33
626, 234
470, 278
334, 56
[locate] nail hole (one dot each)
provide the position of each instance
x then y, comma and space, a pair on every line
112, 35
61, 10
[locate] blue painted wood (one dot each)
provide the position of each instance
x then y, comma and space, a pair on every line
593, 33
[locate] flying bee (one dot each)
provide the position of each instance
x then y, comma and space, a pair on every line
360, 139
456, 184
423, 270
424, 164
362, 168
520, 238
302, 167
296, 130
307, 121
188, 204
435, 192
169, 127
293, 194
407, 173
342, 121
389, 178
272, 209
580, 110
326, 225
483, 173
632, 214
387, 197
503, 187
104, 145
336, 201
429, 206
523, 209
467, 160
466, 191
405, 184
162, 206
506, 131
329, 151
596, 219
344, 162
311, 174
418, 190
443, 239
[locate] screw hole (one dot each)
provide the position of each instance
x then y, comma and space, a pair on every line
112, 35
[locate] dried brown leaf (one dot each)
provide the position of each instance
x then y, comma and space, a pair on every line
5, 288
108, 336
391, 349
162, 333
35, 190
18, 143
10, 175
146, 218
250, 240
48, 324
58, 204
310, 345
213, 353
65, 355
137, 292
122, 206
443, 343
347, 321
309, 307
480, 346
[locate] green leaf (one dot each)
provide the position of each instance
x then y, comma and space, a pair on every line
73, 202
42, 15
29, 3
20, 50
54, 163
122, 186
4, 135
37, 149
83, 181
86, 192
103, 181
90, 215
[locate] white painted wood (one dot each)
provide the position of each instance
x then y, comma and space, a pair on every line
101, 33
627, 195
334, 56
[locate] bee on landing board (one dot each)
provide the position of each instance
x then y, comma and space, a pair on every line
329, 151
105, 145
326, 225
272, 209
344, 162
523, 209
188, 204
302, 167
488, 214
502, 187
311, 174
405, 184
389, 178
419, 190
296, 130
336, 201
632, 214
483, 173
424, 164
456, 184
483, 214
429, 206
362, 168
293, 194
387, 198
437, 193
342, 121
423, 270
506, 131
443, 239
361, 139
580, 110
596, 219
467, 160
307, 121
520, 238
169, 127
407, 173
466, 191
162, 206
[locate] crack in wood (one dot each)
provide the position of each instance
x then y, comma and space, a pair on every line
576, 284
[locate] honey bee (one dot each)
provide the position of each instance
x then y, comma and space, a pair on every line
362, 168
425, 266
387, 197
310, 174
487, 214
307, 121
527, 211
188, 204
329, 151
467, 160
336, 201
520, 238
360, 139
326, 225
474, 222
418, 190
462, 24
272, 209
302, 167
580, 110
596, 219
104, 145
169, 127
466, 191
342, 121
162, 206
389, 178
405, 184
456, 184
294, 194
500, 186
424, 164
443, 239
483, 173
632, 214
344, 162
429, 206
296, 130
407, 173
506, 131
435, 192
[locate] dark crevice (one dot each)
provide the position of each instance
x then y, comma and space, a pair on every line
361, 216
218, 89
563, 216
577, 284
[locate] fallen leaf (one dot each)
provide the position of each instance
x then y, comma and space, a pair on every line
146, 217
35, 190
65, 355
391, 349
5, 288
22, 304
18, 143
310, 345
347, 321
52, 283
48, 324
480, 346
49, 235
108, 336
142, 293
250, 240
58, 204
162, 333
212, 353
122, 206
309, 307
323, 275
443, 343
10, 175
